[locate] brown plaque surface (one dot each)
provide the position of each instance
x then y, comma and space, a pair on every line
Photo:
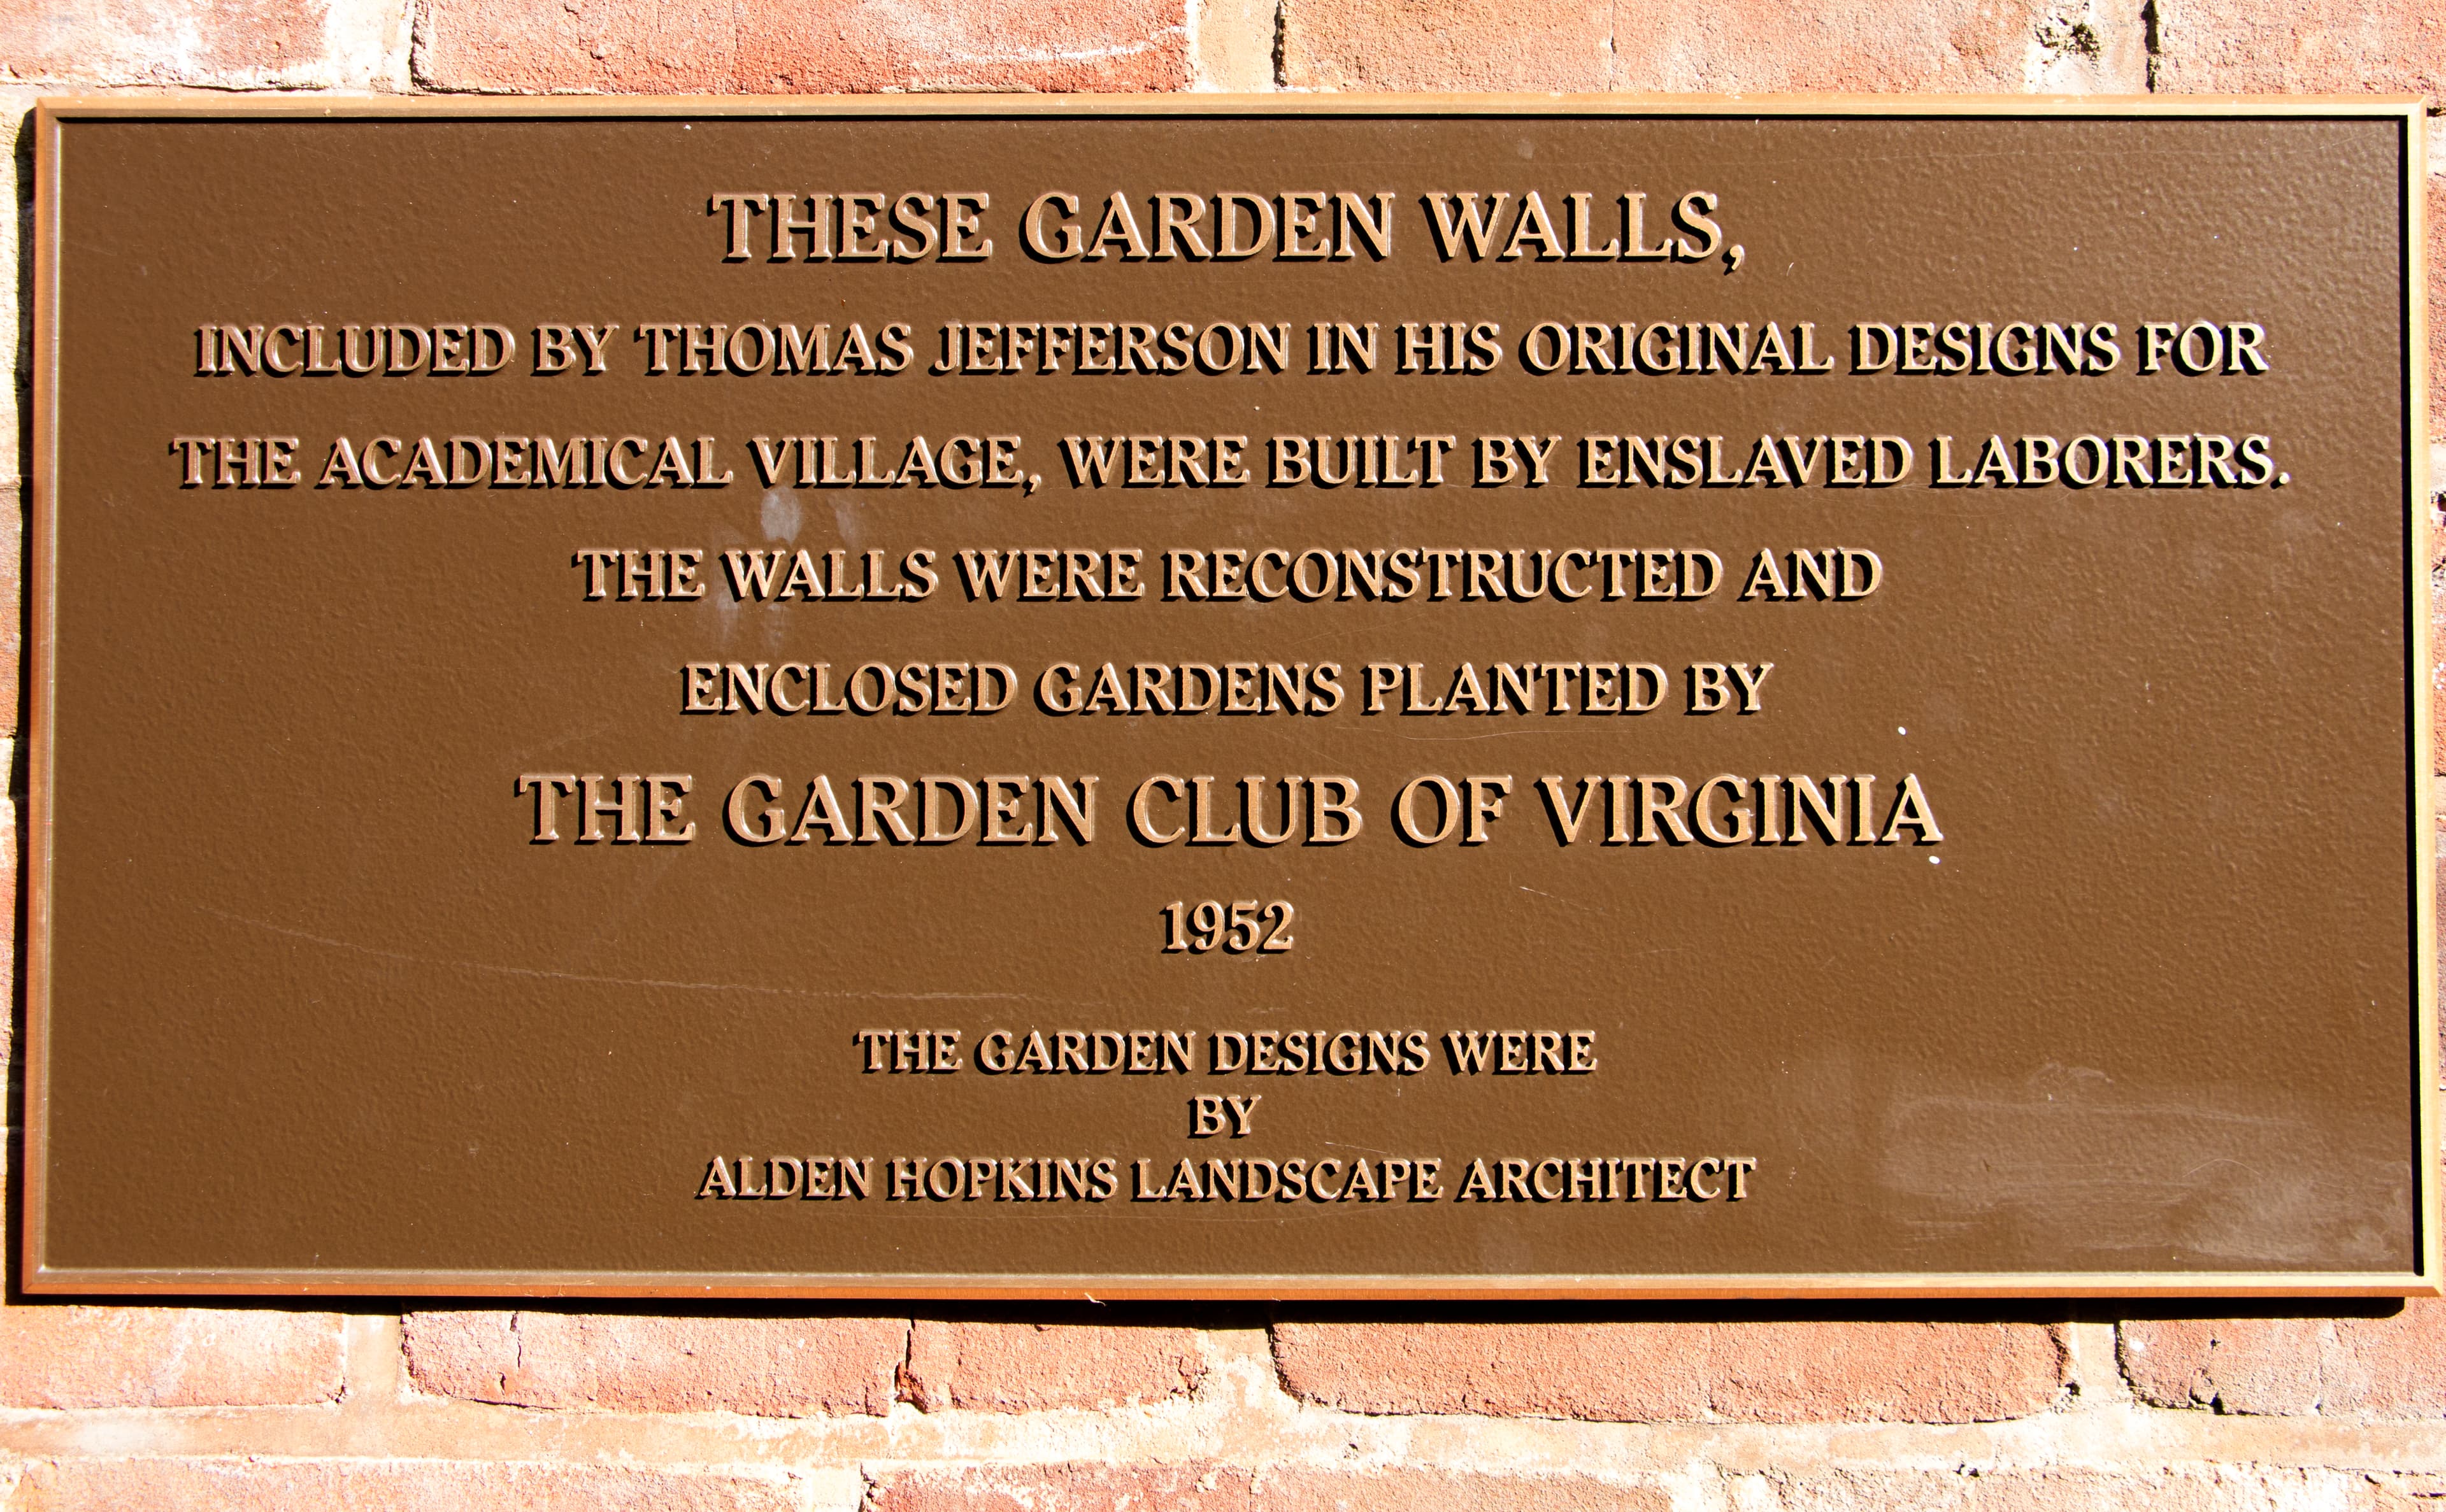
1426, 698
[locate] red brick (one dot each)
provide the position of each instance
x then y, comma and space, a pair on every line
1447, 44
2303, 47
1857, 45
2437, 706
229, 42
13, 593
166, 1356
1678, 45
393, 1485
2241, 1365
2389, 1367
2209, 1488
766, 47
2435, 229
12, 847
1887, 1373
767, 1367
1757, 1373
2374, 1367
1029, 1367
1098, 1488
1606, 1372
2407, 1493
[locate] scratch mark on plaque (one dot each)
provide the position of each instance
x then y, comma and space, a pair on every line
1367, 1150
540, 973
1490, 734
1569, 903
2222, 1160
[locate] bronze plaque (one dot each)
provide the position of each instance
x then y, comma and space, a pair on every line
1225, 697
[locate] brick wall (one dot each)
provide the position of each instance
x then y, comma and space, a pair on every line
1743, 1410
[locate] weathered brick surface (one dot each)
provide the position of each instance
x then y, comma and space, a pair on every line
1235, 46
16, 174
2302, 47
2435, 233
166, 1356
2379, 1367
1027, 1367
11, 826
2438, 688
1101, 1488
768, 1367
225, 43
1903, 1373
1610, 1371
392, 1485
1757, 1373
766, 47
1706, 45
2216, 1489
2407, 1493
1446, 44
13, 647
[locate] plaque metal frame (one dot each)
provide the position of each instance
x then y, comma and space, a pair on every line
36, 1276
